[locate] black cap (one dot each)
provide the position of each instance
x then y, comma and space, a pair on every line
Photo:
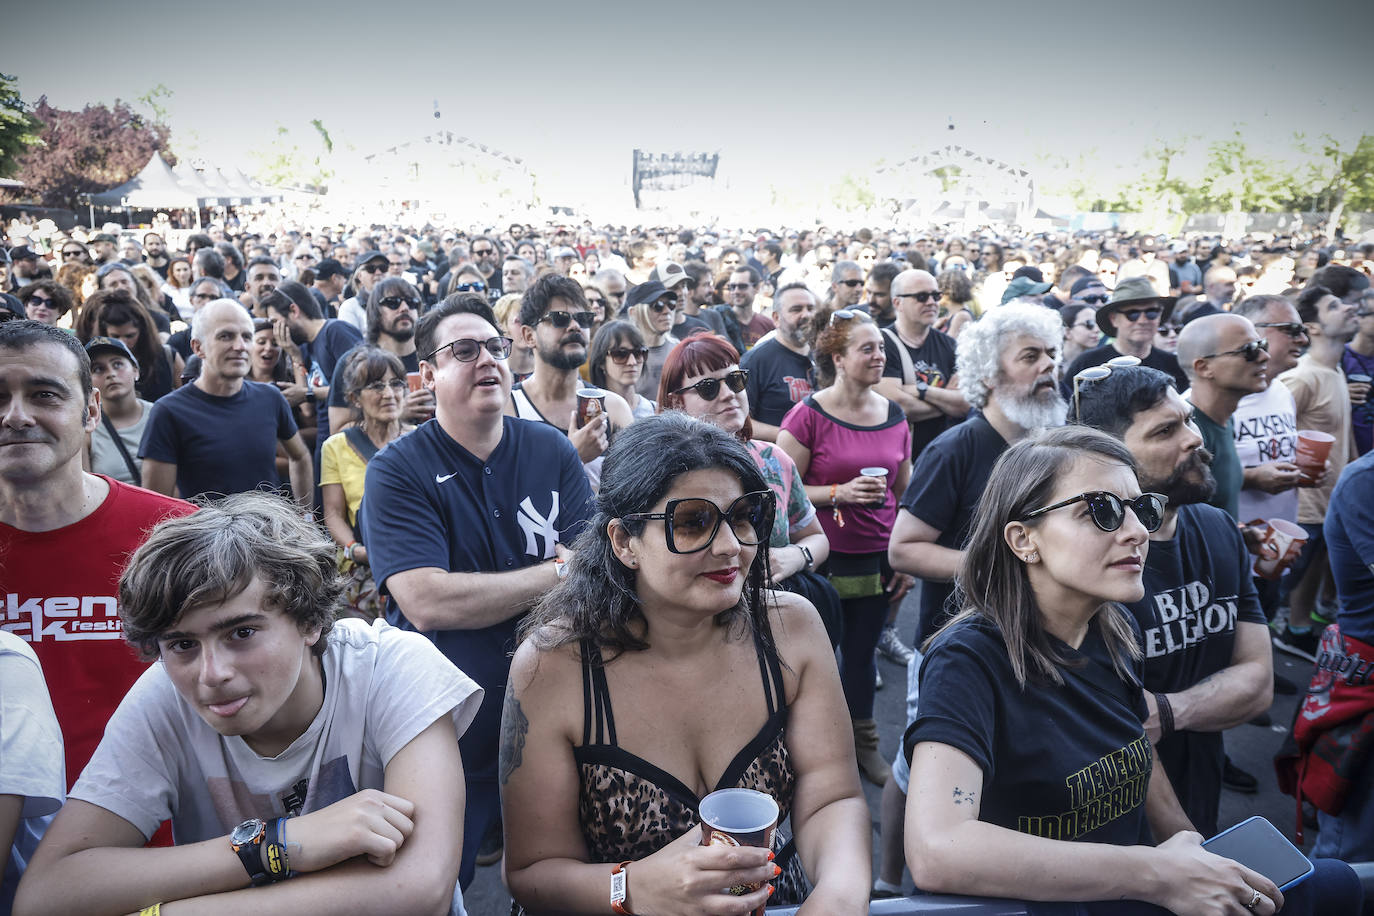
1029, 271
23, 253
651, 291
329, 267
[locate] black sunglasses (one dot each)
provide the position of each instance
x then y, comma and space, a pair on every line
560, 319
621, 355
664, 304
375, 267
924, 296
478, 252
690, 525
395, 302
851, 283
465, 349
474, 286
1108, 510
1094, 299
1134, 314
708, 388
1292, 328
1169, 329
1250, 351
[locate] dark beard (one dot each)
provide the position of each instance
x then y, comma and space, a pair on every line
558, 358
401, 335
1182, 491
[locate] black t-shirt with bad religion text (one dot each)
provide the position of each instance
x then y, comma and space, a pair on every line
1060, 761
1197, 588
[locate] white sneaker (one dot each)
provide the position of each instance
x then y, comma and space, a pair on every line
891, 647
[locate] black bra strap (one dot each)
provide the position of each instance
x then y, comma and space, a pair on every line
771, 671
596, 699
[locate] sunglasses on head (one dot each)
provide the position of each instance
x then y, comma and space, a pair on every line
621, 355
708, 388
924, 296
1250, 351
395, 302
465, 349
474, 286
1108, 511
690, 525
1097, 374
560, 319
1133, 315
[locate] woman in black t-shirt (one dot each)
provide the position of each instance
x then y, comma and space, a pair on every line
1030, 731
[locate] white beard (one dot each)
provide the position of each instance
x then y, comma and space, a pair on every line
1034, 412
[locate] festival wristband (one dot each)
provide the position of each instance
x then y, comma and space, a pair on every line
620, 889
1166, 716
273, 849
154, 910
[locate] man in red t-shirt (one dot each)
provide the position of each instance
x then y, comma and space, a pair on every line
65, 534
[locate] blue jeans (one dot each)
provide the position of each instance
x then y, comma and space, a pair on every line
1350, 834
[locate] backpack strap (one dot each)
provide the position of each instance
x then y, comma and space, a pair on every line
361, 444
908, 367
123, 450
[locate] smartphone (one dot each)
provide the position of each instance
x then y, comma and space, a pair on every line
1257, 844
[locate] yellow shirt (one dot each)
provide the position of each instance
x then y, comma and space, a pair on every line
341, 464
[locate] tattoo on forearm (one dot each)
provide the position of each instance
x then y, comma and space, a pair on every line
514, 726
963, 798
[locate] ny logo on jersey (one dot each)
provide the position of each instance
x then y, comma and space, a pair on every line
541, 526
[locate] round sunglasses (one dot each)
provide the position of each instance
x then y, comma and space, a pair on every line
708, 388
690, 525
1108, 511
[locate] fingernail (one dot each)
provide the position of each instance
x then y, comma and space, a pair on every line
770, 856
770, 890
777, 870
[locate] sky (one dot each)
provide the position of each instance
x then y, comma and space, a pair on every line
790, 94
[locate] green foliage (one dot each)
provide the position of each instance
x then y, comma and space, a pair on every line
290, 162
18, 127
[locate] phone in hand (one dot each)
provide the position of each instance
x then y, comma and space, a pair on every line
1258, 845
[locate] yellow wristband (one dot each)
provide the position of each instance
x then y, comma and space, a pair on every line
154, 910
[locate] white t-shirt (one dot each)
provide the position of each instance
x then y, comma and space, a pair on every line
383, 686
31, 760
1266, 428
354, 311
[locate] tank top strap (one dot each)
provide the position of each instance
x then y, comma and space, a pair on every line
598, 726
770, 668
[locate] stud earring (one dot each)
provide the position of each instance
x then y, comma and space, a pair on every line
1033, 557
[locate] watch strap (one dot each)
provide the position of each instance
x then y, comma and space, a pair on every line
620, 889
250, 854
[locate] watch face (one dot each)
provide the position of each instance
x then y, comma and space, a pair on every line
245, 832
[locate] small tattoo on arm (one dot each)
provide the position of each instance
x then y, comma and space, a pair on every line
514, 727
963, 798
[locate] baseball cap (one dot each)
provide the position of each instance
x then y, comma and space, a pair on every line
97, 344
669, 273
564, 252
650, 291
23, 253
329, 267
1029, 271
1084, 283
103, 237
363, 258
1023, 286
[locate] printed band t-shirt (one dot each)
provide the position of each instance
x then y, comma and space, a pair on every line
71, 619
429, 502
1266, 430
947, 482
934, 363
1197, 588
839, 450
778, 379
1062, 762
219, 444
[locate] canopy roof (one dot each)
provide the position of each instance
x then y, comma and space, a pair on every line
155, 187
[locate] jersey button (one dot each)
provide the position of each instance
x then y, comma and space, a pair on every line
496, 512
486, 471
510, 561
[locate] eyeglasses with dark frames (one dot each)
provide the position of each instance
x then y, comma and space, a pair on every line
709, 388
466, 349
1108, 511
690, 525
561, 319
1250, 351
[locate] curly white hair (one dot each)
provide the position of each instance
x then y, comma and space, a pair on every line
980, 343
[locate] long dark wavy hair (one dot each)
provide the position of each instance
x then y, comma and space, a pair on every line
597, 600
992, 583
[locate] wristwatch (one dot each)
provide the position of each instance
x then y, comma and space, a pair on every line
810, 561
246, 841
921, 389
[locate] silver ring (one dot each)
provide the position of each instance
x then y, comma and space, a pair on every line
1254, 901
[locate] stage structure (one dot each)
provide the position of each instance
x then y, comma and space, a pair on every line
956, 185
436, 171
671, 171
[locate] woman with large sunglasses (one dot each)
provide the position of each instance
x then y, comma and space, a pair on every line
852, 447
1031, 773
659, 670
615, 362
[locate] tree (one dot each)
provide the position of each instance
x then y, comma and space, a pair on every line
18, 128
1238, 181
286, 163
86, 151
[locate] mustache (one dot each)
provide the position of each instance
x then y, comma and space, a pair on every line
574, 338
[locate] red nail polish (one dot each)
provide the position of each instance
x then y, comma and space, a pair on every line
777, 870
770, 856
770, 890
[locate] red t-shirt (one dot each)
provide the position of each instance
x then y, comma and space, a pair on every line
60, 591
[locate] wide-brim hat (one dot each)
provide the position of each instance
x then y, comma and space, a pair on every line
1129, 292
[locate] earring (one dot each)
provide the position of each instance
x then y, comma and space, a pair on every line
632, 563
1033, 557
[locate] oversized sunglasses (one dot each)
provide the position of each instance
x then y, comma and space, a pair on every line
560, 319
1250, 351
690, 525
621, 355
708, 388
394, 302
1108, 510
1097, 374
1292, 328
465, 349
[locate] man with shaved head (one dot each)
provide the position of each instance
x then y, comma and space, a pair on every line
919, 376
1226, 358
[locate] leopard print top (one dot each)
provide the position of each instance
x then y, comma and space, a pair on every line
630, 808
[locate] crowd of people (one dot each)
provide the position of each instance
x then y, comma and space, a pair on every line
339, 561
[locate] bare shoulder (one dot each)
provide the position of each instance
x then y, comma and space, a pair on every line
545, 672
619, 409
798, 631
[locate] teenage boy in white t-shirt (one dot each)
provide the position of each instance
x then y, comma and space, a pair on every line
307, 766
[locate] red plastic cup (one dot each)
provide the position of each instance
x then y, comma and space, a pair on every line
413, 380
1313, 448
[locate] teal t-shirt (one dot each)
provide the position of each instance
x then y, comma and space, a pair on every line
1221, 442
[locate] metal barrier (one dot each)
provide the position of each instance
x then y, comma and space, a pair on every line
931, 905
